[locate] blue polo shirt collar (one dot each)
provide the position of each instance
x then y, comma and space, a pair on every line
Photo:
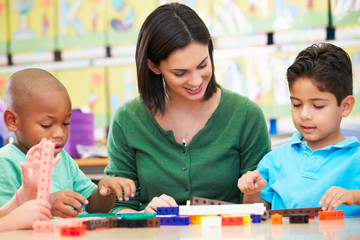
297, 143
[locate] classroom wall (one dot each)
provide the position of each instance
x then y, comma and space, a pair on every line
90, 45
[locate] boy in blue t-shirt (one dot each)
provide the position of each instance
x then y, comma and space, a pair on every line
38, 106
320, 167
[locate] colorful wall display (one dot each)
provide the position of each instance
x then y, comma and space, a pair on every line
81, 23
3, 27
35, 25
252, 74
32, 25
87, 88
354, 53
124, 19
3, 81
122, 85
236, 17
345, 12
299, 14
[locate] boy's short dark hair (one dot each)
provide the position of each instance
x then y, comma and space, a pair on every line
22, 84
328, 66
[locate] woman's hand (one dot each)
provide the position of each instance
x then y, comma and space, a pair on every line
162, 201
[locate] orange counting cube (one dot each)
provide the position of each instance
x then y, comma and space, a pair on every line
276, 219
232, 220
331, 215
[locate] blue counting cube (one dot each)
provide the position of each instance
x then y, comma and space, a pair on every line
167, 211
256, 218
174, 220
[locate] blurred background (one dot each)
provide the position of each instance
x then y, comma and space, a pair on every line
89, 45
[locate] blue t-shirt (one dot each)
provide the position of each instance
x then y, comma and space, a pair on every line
66, 174
298, 177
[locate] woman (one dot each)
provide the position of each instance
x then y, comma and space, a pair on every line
185, 135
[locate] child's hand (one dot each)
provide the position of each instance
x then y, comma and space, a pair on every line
335, 196
63, 202
162, 201
117, 185
31, 168
24, 216
251, 182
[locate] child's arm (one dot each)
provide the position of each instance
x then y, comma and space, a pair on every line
19, 205
251, 184
25, 215
103, 198
29, 177
335, 196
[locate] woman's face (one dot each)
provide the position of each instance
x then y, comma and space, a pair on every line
187, 71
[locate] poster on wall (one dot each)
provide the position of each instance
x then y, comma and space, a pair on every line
122, 85
354, 53
300, 14
3, 81
3, 32
81, 24
32, 25
345, 12
3, 27
124, 19
253, 74
87, 89
236, 17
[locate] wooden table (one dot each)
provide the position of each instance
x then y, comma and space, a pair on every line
88, 162
349, 228
93, 167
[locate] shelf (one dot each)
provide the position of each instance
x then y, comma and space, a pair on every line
92, 162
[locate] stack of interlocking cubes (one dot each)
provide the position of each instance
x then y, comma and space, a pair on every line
211, 213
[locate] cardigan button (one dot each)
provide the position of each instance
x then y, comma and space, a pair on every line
184, 150
184, 168
186, 189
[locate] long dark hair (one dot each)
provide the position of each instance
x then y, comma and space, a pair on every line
168, 28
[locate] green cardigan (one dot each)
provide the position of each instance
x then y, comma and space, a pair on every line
231, 143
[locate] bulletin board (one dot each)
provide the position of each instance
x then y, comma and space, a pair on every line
3, 27
124, 20
300, 14
81, 23
236, 17
256, 76
87, 88
345, 12
280, 61
122, 85
32, 25
3, 80
354, 53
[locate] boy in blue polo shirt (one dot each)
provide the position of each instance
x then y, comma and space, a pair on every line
320, 167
